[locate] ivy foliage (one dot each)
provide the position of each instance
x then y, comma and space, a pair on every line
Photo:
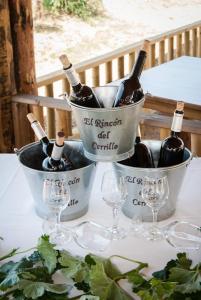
94, 277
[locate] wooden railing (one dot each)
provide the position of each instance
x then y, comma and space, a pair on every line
100, 70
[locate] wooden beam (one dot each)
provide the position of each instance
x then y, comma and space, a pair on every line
7, 83
49, 102
22, 35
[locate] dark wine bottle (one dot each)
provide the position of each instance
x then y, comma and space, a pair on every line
142, 157
56, 163
83, 94
130, 90
41, 135
172, 148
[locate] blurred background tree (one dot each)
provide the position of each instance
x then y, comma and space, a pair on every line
80, 8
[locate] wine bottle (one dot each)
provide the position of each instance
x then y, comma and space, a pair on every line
142, 157
83, 94
56, 162
130, 90
172, 148
41, 135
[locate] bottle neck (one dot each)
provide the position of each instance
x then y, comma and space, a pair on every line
57, 152
177, 122
138, 67
138, 136
72, 77
39, 132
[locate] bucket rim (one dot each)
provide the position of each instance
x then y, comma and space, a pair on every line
19, 152
107, 109
151, 170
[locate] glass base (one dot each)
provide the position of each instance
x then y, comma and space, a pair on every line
117, 234
58, 237
153, 233
92, 236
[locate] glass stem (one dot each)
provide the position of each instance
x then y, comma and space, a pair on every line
115, 212
155, 216
58, 216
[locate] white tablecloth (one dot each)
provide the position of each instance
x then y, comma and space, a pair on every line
21, 227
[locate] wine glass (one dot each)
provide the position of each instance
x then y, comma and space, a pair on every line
183, 235
56, 195
155, 192
114, 193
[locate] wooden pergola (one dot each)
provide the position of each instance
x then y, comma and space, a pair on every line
17, 70
19, 88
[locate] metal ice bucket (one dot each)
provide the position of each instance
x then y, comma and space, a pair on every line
134, 205
80, 179
108, 133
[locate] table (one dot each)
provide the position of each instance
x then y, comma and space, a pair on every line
21, 227
178, 79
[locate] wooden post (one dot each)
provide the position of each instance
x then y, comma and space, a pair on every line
108, 68
147, 47
152, 55
24, 64
161, 58
179, 45
95, 76
199, 41
50, 113
120, 67
186, 42
131, 61
7, 84
194, 42
170, 55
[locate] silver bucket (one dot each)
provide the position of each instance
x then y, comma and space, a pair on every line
134, 205
80, 179
108, 133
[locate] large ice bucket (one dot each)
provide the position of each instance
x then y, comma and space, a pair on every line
134, 205
108, 134
80, 179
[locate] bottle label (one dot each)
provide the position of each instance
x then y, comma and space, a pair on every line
72, 76
57, 152
38, 130
177, 122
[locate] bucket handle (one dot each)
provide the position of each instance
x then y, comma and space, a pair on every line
194, 155
17, 151
66, 97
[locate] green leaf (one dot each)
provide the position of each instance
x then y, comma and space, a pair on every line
35, 257
73, 265
110, 269
39, 273
103, 286
18, 295
89, 297
34, 290
83, 286
12, 271
145, 295
182, 262
158, 290
99, 282
137, 280
48, 253
162, 289
188, 281
7, 267
89, 260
